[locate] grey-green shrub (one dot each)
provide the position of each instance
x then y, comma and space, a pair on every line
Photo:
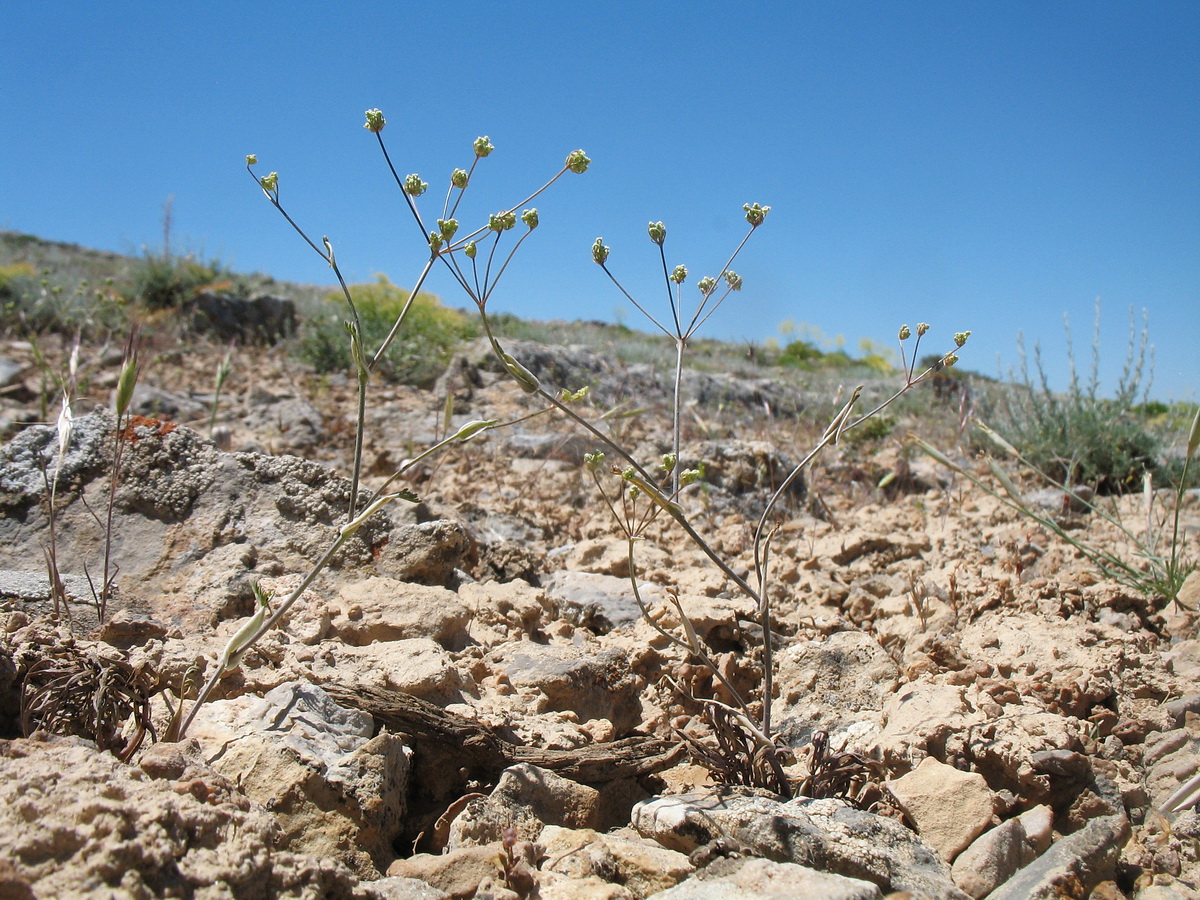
1077, 436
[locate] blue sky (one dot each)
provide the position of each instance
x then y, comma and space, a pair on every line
990, 166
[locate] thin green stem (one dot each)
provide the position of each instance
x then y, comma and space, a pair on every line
263, 629
495, 281
403, 313
662, 255
412, 206
677, 411
693, 325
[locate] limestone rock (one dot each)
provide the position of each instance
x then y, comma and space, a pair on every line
1071, 867
1038, 825
193, 526
426, 552
949, 807
596, 601
417, 666
641, 866
553, 886
834, 684
335, 790
394, 887
78, 823
993, 858
745, 467
384, 609
527, 799
512, 610
283, 421
261, 319
823, 834
763, 879
607, 556
155, 403
457, 873
592, 686
923, 714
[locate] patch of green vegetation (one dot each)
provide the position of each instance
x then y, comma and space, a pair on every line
1079, 437
417, 355
168, 282
34, 303
873, 430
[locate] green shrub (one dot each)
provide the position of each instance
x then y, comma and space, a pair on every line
18, 285
13, 278
417, 355
1079, 437
168, 282
801, 355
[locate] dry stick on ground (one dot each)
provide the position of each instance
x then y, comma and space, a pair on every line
475, 743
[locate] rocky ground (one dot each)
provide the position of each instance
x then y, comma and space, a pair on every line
467, 702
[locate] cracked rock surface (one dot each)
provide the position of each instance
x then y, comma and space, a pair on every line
1006, 719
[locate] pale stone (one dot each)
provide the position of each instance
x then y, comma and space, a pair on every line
418, 666
335, 790
949, 807
1038, 824
553, 886
458, 872
526, 798
384, 609
832, 684
993, 858
1073, 866
764, 879
75, 823
640, 865
821, 833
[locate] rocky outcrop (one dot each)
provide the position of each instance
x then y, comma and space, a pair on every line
335, 790
78, 823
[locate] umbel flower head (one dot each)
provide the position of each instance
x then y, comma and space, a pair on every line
600, 251
679, 275
578, 162
483, 146
252, 159
459, 178
375, 121
755, 213
657, 231
530, 218
502, 221
414, 186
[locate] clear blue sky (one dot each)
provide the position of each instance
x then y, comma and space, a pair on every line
982, 165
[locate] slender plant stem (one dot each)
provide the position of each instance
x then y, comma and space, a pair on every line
391, 335
677, 411
266, 626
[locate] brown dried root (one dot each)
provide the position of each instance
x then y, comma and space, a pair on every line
841, 774
739, 755
87, 693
